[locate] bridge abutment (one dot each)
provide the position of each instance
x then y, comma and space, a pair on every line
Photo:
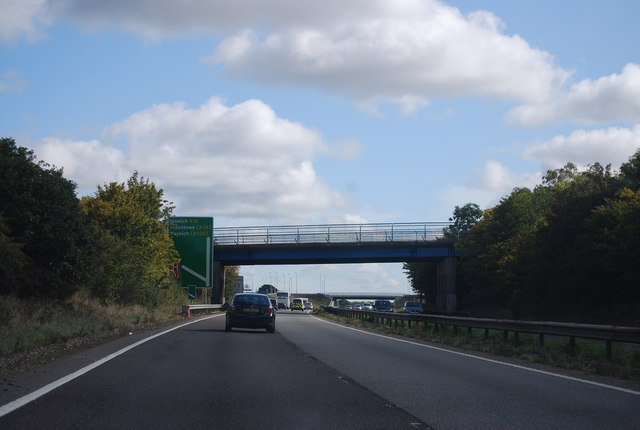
217, 293
446, 298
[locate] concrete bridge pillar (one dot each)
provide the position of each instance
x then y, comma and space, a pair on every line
446, 298
217, 293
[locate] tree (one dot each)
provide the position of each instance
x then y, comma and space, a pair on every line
423, 276
43, 227
230, 281
549, 253
463, 219
423, 279
134, 251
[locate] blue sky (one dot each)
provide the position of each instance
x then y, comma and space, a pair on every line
293, 112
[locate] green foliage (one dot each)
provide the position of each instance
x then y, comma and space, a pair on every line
115, 245
56, 326
42, 230
423, 276
230, 281
463, 219
567, 250
133, 249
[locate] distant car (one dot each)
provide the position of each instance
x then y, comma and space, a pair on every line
382, 306
367, 307
297, 304
274, 303
357, 307
250, 311
308, 305
348, 307
413, 307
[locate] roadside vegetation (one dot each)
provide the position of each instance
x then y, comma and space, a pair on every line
588, 356
75, 268
75, 271
32, 330
568, 250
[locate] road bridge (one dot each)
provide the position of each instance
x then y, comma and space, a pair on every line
339, 243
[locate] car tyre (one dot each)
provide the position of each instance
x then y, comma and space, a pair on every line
227, 327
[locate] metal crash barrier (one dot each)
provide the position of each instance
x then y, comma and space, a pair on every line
606, 333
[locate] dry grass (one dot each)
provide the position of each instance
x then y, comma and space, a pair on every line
32, 330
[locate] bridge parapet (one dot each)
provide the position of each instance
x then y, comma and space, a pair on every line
331, 233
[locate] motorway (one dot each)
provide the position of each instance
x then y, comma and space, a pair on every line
310, 374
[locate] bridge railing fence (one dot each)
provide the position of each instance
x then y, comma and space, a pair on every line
331, 233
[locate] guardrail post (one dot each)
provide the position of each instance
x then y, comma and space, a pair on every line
572, 344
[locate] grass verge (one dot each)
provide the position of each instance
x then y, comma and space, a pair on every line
588, 356
33, 332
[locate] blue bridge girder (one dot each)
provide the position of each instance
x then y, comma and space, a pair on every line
246, 255
333, 243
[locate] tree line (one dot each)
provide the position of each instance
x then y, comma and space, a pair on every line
113, 245
568, 249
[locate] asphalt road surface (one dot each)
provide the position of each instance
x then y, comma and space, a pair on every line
310, 374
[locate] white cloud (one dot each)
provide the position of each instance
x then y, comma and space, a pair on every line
168, 18
487, 185
607, 146
241, 162
88, 163
440, 53
404, 52
23, 18
492, 176
10, 80
377, 277
493, 181
609, 99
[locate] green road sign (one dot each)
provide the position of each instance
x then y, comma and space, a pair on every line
193, 239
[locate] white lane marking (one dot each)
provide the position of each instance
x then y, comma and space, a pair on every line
544, 372
12, 406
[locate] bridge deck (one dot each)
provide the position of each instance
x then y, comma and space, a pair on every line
335, 243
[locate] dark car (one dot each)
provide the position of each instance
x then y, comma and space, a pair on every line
413, 307
382, 306
250, 310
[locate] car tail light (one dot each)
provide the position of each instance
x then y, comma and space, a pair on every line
233, 308
269, 311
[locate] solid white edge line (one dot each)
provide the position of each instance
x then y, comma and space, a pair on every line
517, 366
12, 406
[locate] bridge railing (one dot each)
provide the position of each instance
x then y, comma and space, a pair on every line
331, 233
